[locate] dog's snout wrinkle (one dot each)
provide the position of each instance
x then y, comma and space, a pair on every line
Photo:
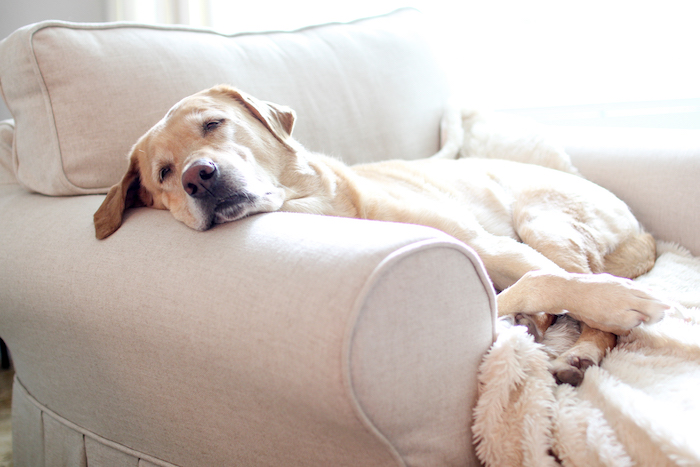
199, 177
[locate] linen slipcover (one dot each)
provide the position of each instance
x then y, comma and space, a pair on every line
362, 353
7, 128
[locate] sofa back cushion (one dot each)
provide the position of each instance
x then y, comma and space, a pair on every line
82, 94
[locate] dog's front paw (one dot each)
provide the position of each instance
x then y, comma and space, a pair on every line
617, 305
644, 308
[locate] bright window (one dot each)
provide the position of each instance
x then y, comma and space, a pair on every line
599, 62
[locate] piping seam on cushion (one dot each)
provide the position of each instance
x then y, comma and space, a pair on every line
393, 257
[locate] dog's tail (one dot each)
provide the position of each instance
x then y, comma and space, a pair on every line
633, 257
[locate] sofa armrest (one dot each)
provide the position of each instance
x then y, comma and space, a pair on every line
282, 339
655, 171
7, 133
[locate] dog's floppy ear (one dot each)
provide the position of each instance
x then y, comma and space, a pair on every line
279, 119
123, 195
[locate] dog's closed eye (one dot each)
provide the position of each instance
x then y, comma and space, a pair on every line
212, 125
164, 172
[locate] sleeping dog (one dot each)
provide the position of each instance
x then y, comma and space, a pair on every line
551, 242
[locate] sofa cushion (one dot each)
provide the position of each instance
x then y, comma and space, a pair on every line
82, 94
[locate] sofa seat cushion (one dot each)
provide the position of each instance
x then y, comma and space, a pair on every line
82, 94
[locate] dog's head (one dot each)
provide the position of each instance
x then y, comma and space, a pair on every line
216, 157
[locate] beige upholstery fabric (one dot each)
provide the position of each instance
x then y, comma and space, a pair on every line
392, 332
7, 128
341, 342
82, 94
655, 171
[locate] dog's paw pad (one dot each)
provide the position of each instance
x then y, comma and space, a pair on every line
582, 363
571, 375
571, 369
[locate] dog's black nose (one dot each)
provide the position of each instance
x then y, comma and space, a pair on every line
199, 178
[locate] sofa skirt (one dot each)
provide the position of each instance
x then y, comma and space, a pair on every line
43, 438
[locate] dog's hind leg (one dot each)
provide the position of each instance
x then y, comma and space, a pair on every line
605, 304
633, 257
589, 350
533, 284
572, 246
536, 324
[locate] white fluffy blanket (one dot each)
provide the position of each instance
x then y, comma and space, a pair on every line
640, 407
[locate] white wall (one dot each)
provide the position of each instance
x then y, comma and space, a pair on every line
17, 13
539, 53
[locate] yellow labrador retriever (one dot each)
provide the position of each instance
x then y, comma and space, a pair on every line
552, 242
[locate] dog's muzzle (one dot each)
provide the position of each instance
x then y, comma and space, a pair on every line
218, 197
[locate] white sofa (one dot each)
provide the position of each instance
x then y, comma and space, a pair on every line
279, 340
282, 339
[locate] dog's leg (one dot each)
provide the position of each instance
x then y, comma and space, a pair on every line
534, 287
577, 247
508, 260
602, 301
532, 283
633, 257
588, 351
536, 324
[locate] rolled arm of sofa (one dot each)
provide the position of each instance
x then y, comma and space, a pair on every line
282, 339
7, 130
655, 171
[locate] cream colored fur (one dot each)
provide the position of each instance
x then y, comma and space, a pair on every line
546, 237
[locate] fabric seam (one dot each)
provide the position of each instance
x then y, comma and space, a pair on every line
186, 28
49, 110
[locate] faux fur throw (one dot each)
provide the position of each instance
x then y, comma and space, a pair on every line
640, 407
